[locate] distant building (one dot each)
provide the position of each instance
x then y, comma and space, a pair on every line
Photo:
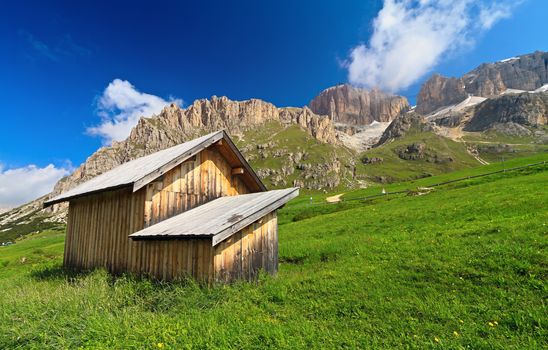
197, 209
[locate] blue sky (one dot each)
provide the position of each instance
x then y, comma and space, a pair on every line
57, 59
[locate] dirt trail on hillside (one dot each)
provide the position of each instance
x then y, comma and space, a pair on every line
456, 134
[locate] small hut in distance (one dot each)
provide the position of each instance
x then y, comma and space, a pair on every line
196, 209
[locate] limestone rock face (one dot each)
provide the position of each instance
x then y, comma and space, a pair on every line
404, 124
439, 91
523, 109
350, 105
527, 72
175, 125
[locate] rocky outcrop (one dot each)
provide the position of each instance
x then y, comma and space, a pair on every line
175, 125
524, 109
527, 72
404, 124
439, 91
349, 105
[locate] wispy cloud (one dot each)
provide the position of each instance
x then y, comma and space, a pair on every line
120, 107
410, 37
63, 46
21, 185
492, 13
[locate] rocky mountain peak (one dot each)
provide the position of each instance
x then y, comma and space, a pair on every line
439, 91
404, 124
174, 125
522, 73
526, 72
350, 105
523, 109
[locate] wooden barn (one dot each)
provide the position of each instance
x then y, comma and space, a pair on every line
196, 209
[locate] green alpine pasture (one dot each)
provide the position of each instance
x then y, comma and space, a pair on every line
464, 266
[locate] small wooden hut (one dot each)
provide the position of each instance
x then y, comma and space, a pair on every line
196, 209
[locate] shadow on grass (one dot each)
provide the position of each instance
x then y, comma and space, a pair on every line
57, 272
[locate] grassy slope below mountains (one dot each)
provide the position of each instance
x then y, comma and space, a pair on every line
280, 141
461, 267
494, 147
320, 165
451, 156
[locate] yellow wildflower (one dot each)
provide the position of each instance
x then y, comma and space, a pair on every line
455, 333
436, 339
496, 323
160, 345
461, 321
491, 324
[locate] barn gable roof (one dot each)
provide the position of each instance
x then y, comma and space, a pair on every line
141, 171
220, 218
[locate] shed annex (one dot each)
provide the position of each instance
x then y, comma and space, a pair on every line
196, 209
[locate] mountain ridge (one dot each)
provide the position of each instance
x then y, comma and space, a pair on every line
319, 146
523, 73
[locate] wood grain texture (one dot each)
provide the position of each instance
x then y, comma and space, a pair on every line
99, 224
245, 253
196, 181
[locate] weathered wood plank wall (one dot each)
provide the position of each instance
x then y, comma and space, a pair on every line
244, 253
206, 177
98, 227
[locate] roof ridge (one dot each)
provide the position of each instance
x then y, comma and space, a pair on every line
141, 171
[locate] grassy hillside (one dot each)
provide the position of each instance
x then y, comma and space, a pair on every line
291, 155
495, 147
461, 267
441, 155
286, 155
273, 146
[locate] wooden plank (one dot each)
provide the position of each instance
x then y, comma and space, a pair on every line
131, 215
155, 213
175, 162
195, 249
164, 253
196, 176
204, 174
246, 249
109, 227
69, 237
148, 204
237, 254
275, 241
252, 218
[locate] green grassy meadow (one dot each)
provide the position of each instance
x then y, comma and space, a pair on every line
462, 267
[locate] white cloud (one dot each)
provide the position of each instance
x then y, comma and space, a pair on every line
120, 107
492, 13
21, 185
410, 37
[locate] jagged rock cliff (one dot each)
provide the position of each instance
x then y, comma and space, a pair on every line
403, 124
439, 91
524, 109
175, 125
349, 105
527, 72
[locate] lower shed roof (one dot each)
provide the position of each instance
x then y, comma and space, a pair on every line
220, 218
